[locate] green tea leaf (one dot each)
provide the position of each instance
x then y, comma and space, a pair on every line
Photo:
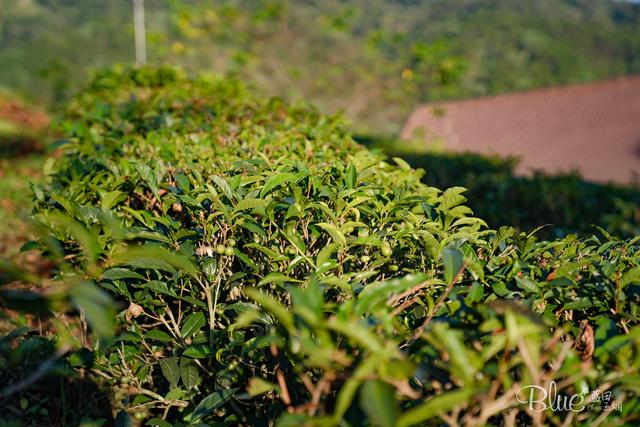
223, 185
277, 278
211, 403
275, 180
189, 373
335, 233
453, 260
527, 284
152, 257
118, 273
378, 401
170, 370
158, 422
351, 176
197, 351
192, 324
158, 335
96, 304
271, 305
258, 386
111, 198
434, 406
246, 204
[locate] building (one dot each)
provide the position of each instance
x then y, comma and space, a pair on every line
591, 128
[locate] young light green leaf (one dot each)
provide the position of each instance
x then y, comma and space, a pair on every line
336, 234
351, 175
453, 261
246, 204
275, 256
271, 305
275, 180
210, 268
357, 333
111, 198
223, 185
631, 276
152, 257
147, 174
452, 197
258, 386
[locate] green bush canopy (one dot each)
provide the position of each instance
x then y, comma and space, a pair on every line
266, 268
553, 205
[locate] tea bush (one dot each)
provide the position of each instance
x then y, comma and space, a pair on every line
269, 268
565, 203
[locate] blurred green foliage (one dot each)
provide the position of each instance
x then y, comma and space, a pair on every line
373, 59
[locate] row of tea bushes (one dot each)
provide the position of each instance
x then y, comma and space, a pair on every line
563, 203
266, 267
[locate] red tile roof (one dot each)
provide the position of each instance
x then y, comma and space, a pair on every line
593, 128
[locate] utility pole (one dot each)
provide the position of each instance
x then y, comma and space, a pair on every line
139, 32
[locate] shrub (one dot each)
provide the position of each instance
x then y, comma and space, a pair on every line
268, 267
564, 203
252, 193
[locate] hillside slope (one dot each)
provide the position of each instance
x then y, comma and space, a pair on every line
373, 59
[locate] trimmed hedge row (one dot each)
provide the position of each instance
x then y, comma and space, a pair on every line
269, 268
564, 203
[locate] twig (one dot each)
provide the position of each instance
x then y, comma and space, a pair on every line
283, 387
617, 305
394, 302
438, 305
286, 398
498, 405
